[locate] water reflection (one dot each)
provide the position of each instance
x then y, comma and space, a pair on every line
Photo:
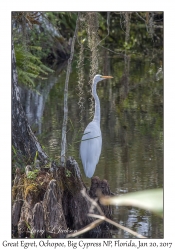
34, 101
131, 125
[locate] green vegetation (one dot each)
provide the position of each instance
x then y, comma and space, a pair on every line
28, 55
33, 174
18, 160
34, 44
63, 21
67, 173
29, 66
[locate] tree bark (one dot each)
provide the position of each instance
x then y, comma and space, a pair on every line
23, 139
52, 205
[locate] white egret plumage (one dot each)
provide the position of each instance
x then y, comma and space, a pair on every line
91, 142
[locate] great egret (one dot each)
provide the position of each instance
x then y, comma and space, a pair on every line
91, 142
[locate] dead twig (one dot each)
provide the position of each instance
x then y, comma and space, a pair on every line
86, 229
100, 218
93, 202
117, 225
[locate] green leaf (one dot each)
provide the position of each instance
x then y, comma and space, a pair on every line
36, 156
151, 199
29, 66
36, 47
14, 150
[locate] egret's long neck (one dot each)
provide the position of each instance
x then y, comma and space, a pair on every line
97, 103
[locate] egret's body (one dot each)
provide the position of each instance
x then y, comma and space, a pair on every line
91, 142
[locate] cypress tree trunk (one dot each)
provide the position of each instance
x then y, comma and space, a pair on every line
23, 139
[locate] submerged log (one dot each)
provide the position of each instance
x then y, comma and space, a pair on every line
52, 204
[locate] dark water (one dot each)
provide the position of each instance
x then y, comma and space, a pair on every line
131, 125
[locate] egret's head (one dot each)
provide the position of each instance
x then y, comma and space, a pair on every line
98, 78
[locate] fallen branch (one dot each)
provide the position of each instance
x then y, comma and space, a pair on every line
102, 217
93, 202
85, 229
